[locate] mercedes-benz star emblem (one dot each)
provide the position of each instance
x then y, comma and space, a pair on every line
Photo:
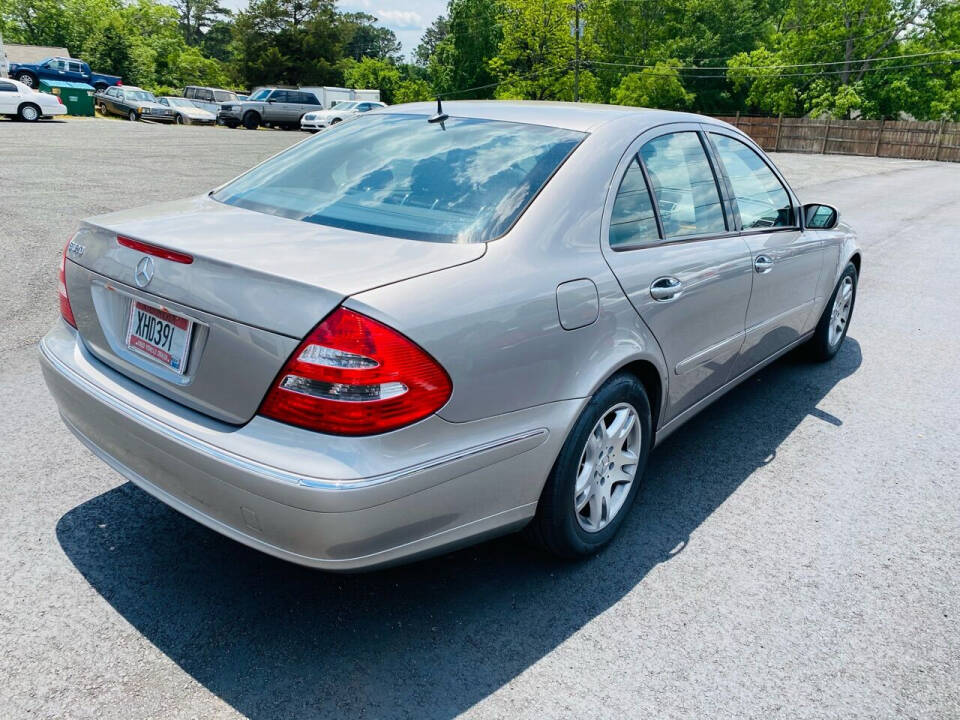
144, 272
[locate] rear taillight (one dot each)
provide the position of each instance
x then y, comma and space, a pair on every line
65, 310
355, 376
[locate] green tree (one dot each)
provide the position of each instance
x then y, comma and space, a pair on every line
372, 73
432, 37
656, 87
412, 90
536, 50
463, 57
198, 16
366, 39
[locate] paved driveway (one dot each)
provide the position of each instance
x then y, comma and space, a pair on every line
795, 551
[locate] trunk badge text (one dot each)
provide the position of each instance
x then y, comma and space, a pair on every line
75, 248
144, 272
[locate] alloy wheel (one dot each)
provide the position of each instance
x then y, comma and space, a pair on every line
840, 314
608, 467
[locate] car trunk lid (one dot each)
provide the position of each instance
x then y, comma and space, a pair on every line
254, 286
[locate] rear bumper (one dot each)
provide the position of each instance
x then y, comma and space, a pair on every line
326, 502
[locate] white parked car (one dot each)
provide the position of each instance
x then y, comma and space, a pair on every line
187, 112
319, 119
19, 101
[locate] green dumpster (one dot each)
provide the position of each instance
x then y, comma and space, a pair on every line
76, 96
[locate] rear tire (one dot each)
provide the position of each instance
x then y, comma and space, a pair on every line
28, 112
835, 320
251, 121
596, 470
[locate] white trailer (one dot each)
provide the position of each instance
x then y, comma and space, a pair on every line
367, 95
330, 96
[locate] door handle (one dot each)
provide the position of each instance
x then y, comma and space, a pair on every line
763, 264
666, 288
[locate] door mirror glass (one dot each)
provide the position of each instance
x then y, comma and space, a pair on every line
820, 217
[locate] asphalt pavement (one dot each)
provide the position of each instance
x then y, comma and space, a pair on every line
794, 553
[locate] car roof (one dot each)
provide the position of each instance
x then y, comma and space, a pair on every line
581, 117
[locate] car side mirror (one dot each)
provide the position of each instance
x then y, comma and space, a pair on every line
817, 216
271, 100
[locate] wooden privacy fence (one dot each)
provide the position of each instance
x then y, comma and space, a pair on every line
911, 139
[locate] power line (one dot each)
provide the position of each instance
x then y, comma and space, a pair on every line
810, 64
755, 70
513, 78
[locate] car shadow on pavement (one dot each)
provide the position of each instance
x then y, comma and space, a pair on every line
431, 639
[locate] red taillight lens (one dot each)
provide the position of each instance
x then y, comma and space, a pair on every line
355, 376
65, 310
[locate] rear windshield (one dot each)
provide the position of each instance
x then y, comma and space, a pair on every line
463, 181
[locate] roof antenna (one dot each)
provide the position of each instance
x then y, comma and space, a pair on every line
440, 116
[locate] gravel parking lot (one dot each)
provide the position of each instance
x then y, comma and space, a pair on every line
795, 551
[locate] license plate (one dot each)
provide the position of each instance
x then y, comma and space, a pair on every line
159, 335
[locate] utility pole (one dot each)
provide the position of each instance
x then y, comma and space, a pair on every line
577, 7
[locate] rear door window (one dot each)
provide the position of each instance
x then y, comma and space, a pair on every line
464, 181
633, 221
761, 198
684, 185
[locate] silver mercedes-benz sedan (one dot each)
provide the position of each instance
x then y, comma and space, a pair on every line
417, 330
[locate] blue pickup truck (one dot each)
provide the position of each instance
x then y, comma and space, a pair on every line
60, 68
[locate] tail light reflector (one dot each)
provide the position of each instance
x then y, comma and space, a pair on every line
65, 310
355, 376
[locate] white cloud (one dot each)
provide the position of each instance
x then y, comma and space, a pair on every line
400, 19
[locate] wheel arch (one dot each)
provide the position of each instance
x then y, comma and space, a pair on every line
855, 259
649, 375
28, 103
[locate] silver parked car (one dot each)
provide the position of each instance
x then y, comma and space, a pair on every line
274, 107
413, 331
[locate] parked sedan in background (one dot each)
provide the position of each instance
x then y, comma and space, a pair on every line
416, 331
132, 103
24, 103
314, 121
186, 112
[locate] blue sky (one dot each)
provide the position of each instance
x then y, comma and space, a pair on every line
407, 19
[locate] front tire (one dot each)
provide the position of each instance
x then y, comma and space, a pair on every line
179, 119
28, 79
28, 112
132, 116
597, 474
251, 121
835, 320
